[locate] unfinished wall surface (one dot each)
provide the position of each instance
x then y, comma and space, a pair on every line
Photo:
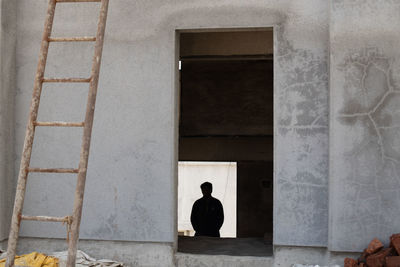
226, 98
226, 148
301, 126
8, 24
365, 123
227, 43
131, 187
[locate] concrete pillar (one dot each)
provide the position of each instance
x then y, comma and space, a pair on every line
7, 90
364, 122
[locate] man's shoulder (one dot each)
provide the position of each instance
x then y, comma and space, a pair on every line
216, 200
198, 201
202, 200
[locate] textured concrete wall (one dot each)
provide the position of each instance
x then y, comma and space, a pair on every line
161, 254
287, 256
7, 88
283, 257
365, 122
131, 188
301, 126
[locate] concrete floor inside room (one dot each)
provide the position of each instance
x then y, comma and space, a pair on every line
257, 247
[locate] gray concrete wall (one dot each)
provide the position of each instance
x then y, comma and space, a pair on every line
301, 125
161, 254
364, 120
7, 93
131, 192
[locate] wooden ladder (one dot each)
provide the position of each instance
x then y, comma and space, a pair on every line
73, 220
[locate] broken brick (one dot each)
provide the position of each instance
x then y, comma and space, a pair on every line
395, 243
363, 257
374, 246
393, 261
378, 259
394, 236
350, 262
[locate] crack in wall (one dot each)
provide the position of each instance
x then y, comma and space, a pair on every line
367, 187
302, 145
387, 72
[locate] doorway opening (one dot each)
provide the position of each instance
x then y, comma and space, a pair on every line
226, 119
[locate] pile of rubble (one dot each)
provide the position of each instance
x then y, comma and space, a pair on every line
375, 255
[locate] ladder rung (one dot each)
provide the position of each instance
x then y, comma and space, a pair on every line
59, 170
46, 218
76, 1
59, 124
67, 80
72, 39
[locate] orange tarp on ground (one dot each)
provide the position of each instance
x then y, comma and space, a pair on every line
33, 259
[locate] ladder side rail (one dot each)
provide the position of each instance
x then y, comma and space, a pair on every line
29, 136
87, 132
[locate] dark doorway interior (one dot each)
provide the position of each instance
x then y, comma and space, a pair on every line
255, 196
226, 114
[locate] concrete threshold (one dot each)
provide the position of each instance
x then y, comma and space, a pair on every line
197, 260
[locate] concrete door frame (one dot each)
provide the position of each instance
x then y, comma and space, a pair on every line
177, 90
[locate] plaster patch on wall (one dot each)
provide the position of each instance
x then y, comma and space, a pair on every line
302, 82
301, 173
367, 194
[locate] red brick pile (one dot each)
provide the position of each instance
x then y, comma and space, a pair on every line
375, 255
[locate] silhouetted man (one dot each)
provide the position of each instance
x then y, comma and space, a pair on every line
207, 213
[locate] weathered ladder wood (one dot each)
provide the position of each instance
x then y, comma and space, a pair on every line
74, 220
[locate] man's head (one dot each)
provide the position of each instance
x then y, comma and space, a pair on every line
206, 189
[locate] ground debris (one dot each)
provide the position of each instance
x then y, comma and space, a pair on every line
375, 255
308, 265
82, 260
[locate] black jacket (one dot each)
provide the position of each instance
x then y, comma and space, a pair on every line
207, 216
